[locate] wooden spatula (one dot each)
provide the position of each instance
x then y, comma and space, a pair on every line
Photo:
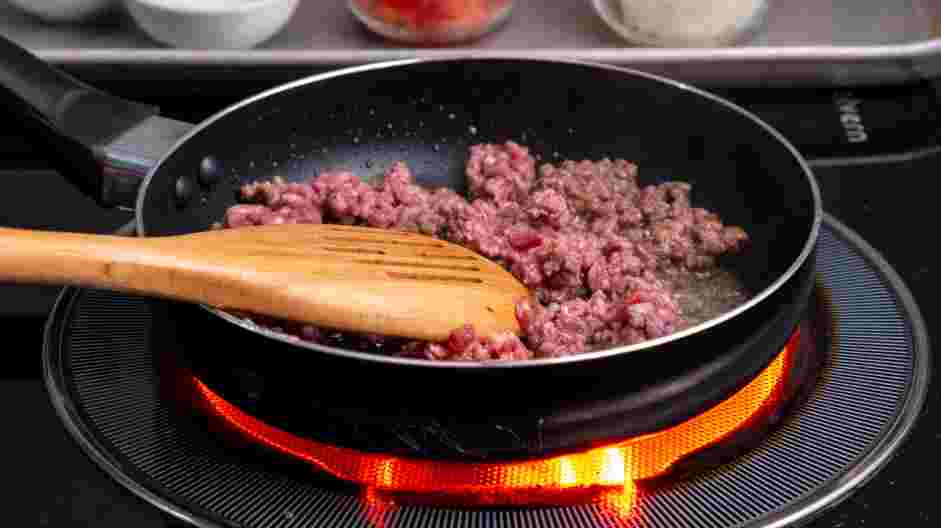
348, 278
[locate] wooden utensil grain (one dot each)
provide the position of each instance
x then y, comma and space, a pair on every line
343, 277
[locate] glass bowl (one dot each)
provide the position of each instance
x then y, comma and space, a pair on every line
683, 23
432, 22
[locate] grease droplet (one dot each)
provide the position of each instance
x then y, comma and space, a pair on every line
452, 117
472, 129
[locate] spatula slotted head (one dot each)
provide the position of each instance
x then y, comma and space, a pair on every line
366, 280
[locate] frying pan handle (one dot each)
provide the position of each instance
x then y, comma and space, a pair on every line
96, 140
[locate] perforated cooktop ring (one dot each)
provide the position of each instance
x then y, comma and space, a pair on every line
103, 381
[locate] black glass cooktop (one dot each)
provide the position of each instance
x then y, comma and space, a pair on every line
875, 151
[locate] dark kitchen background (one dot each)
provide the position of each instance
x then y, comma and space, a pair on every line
875, 149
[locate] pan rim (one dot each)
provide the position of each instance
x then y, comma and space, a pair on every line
808, 247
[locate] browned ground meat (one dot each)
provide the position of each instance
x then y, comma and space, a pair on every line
592, 244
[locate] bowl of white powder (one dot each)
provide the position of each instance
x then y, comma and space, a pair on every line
682, 23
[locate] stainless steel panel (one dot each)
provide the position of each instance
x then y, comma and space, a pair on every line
834, 41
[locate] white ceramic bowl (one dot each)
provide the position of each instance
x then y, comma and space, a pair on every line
60, 11
211, 24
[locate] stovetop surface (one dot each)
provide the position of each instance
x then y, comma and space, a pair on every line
878, 187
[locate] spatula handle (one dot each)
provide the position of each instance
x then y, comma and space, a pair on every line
103, 261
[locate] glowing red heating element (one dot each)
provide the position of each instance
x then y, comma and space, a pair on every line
607, 472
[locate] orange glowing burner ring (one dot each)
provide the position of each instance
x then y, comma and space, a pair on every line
605, 473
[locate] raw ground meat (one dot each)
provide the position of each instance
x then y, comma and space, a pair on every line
594, 246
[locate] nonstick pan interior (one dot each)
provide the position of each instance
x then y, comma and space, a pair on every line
428, 113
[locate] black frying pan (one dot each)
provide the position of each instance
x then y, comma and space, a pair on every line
427, 113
